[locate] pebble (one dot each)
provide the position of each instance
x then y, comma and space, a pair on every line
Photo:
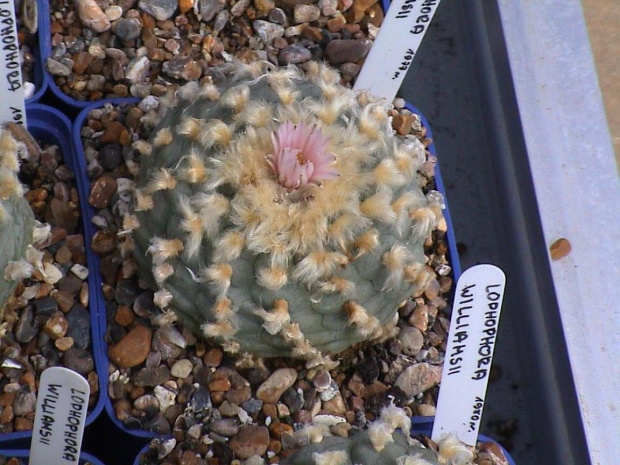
25, 401
412, 340
79, 360
132, 349
274, 386
56, 326
165, 397
128, 29
560, 249
250, 440
137, 70
294, 54
341, 51
26, 328
151, 376
78, 319
92, 16
267, 31
417, 378
101, 192
159, 9
207, 9
182, 368
303, 13
226, 427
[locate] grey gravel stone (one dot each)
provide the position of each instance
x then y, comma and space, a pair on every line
79, 326
56, 68
151, 377
342, 51
79, 360
267, 31
137, 70
293, 54
25, 401
128, 29
207, 9
159, 9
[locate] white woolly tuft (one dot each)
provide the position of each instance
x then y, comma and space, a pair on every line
378, 207
191, 127
424, 220
401, 207
210, 92
162, 298
387, 173
358, 316
163, 137
367, 242
396, 417
9, 160
162, 272
272, 278
9, 185
344, 228
337, 457
42, 232
130, 223
419, 274
275, 319
230, 347
16, 271
368, 124
257, 114
164, 249
163, 179
236, 98
219, 274
317, 265
223, 329
143, 201
192, 225
34, 257
292, 333
211, 207
453, 451
395, 260
216, 133
7, 143
222, 310
336, 284
380, 435
287, 95
229, 246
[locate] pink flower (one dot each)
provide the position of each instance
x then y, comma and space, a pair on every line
299, 155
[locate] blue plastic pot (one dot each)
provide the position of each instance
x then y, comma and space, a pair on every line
421, 426
25, 454
41, 52
84, 186
424, 426
49, 125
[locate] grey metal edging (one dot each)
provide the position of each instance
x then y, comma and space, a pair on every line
577, 189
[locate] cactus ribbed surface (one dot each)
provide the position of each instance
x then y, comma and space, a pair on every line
279, 214
16, 221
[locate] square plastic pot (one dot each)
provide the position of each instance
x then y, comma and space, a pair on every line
84, 185
49, 125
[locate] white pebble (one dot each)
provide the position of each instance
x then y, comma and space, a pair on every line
80, 271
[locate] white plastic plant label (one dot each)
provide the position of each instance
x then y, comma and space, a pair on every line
399, 39
471, 341
12, 108
60, 417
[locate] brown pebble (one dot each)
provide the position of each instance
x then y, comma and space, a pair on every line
560, 249
402, 123
279, 429
250, 440
104, 242
112, 133
64, 343
7, 416
124, 315
56, 326
23, 424
132, 349
102, 191
219, 385
274, 386
65, 300
213, 357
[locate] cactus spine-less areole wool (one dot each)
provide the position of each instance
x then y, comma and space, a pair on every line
279, 213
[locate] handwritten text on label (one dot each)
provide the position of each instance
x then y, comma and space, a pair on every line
473, 331
11, 87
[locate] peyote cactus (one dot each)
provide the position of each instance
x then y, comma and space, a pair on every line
386, 442
16, 222
280, 215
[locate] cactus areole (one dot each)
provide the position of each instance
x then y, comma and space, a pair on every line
279, 214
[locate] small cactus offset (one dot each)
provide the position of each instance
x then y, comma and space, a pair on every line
279, 214
386, 442
16, 222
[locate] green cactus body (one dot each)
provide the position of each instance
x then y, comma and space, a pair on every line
264, 263
385, 442
16, 222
